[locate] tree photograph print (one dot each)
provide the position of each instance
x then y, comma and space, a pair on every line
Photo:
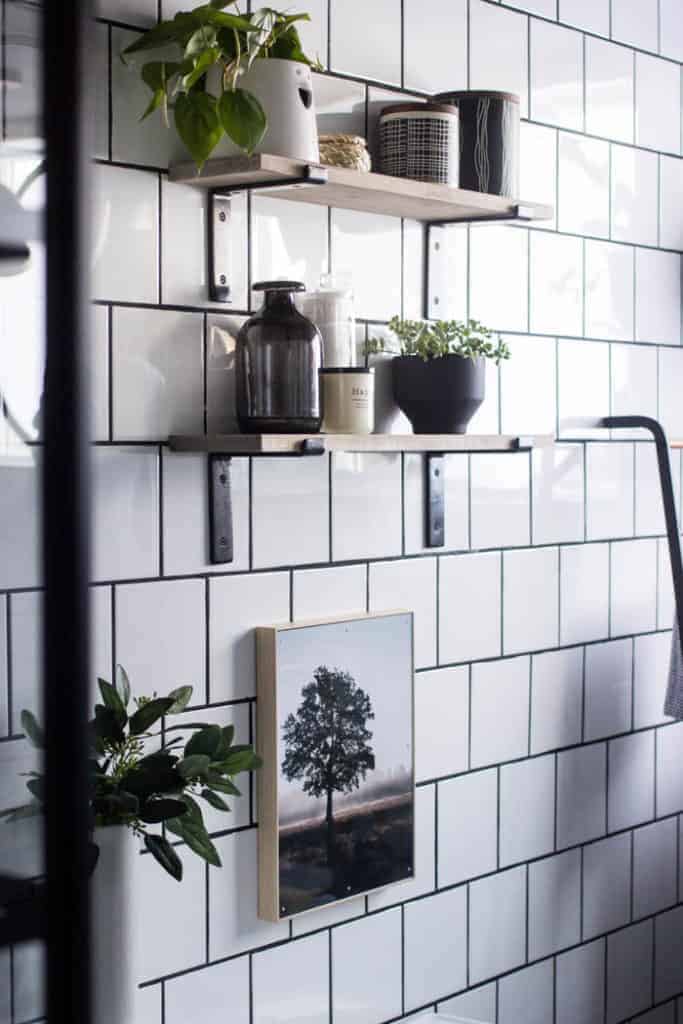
345, 758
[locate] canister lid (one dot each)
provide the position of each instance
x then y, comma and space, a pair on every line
347, 369
279, 286
472, 94
419, 108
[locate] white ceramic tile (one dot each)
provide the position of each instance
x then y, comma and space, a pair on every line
658, 297
499, 688
233, 924
654, 867
528, 387
184, 279
469, 607
435, 947
4, 696
207, 988
499, 496
436, 60
658, 104
158, 374
497, 924
368, 245
468, 806
606, 885
556, 70
558, 494
313, 33
583, 197
633, 378
498, 51
99, 373
20, 522
527, 995
366, 505
411, 585
635, 22
669, 778
667, 959
633, 587
538, 168
581, 786
530, 599
170, 919
455, 479
101, 639
554, 903
670, 407
608, 689
556, 284
584, 593
442, 706
585, 14
388, 417
100, 38
318, 593
671, 30
125, 234
221, 401
135, 141
131, 12
326, 916
293, 981
527, 809
423, 880
671, 201
339, 105
290, 511
477, 1004
660, 1015
609, 291
635, 175
289, 241
413, 253
126, 513
368, 54
501, 252
237, 604
486, 419
651, 656
665, 594
584, 381
5, 987
649, 508
580, 984
26, 623
367, 989
629, 971
186, 515
609, 90
29, 977
609, 490
160, 629
556, 699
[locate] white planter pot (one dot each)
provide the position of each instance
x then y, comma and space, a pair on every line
285, 91
114, 952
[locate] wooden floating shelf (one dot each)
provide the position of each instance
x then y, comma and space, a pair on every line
354, 190
312, 444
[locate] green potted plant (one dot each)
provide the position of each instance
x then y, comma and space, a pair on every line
236, 83
137, 786
438, 370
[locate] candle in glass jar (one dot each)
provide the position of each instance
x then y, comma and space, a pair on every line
348, 400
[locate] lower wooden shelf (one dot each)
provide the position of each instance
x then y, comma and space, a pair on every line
312, 444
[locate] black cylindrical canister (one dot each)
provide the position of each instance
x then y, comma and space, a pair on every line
489, 140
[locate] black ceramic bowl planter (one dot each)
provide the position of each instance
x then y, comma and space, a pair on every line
440, 395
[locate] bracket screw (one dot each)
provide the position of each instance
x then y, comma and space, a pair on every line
437, 246
222, 216
435, 300
223, 279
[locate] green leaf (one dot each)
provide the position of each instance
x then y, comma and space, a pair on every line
148, 714
32, 729
197, 838
214, 800
161, 35
243, 118
123, 685
112, 700
117, 805
155, 811
240, 759
202, 64
194, 767
181, 698
153, 776
206, 741
198, 125
164, 853
222, 785
107, 725
36, 788
188, 727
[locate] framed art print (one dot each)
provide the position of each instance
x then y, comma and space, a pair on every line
335, 731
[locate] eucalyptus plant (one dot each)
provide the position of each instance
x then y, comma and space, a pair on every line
209, 39
134, 789
434, 339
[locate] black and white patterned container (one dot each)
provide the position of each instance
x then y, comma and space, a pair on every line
489, 140
420, 141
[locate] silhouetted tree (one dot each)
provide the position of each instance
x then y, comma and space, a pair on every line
327, 741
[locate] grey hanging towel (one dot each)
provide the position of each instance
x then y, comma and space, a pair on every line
673, 705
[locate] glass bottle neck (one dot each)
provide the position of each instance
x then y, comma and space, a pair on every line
278, 300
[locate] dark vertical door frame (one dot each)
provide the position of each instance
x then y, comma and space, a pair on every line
65, 510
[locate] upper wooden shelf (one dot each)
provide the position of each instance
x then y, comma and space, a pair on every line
354, 190
302, 444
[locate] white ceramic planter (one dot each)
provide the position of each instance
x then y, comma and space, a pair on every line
114, 959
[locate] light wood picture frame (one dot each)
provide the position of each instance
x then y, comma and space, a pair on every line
335, 730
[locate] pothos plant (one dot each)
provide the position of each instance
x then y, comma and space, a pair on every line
436, 339
207, 39
135, 789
